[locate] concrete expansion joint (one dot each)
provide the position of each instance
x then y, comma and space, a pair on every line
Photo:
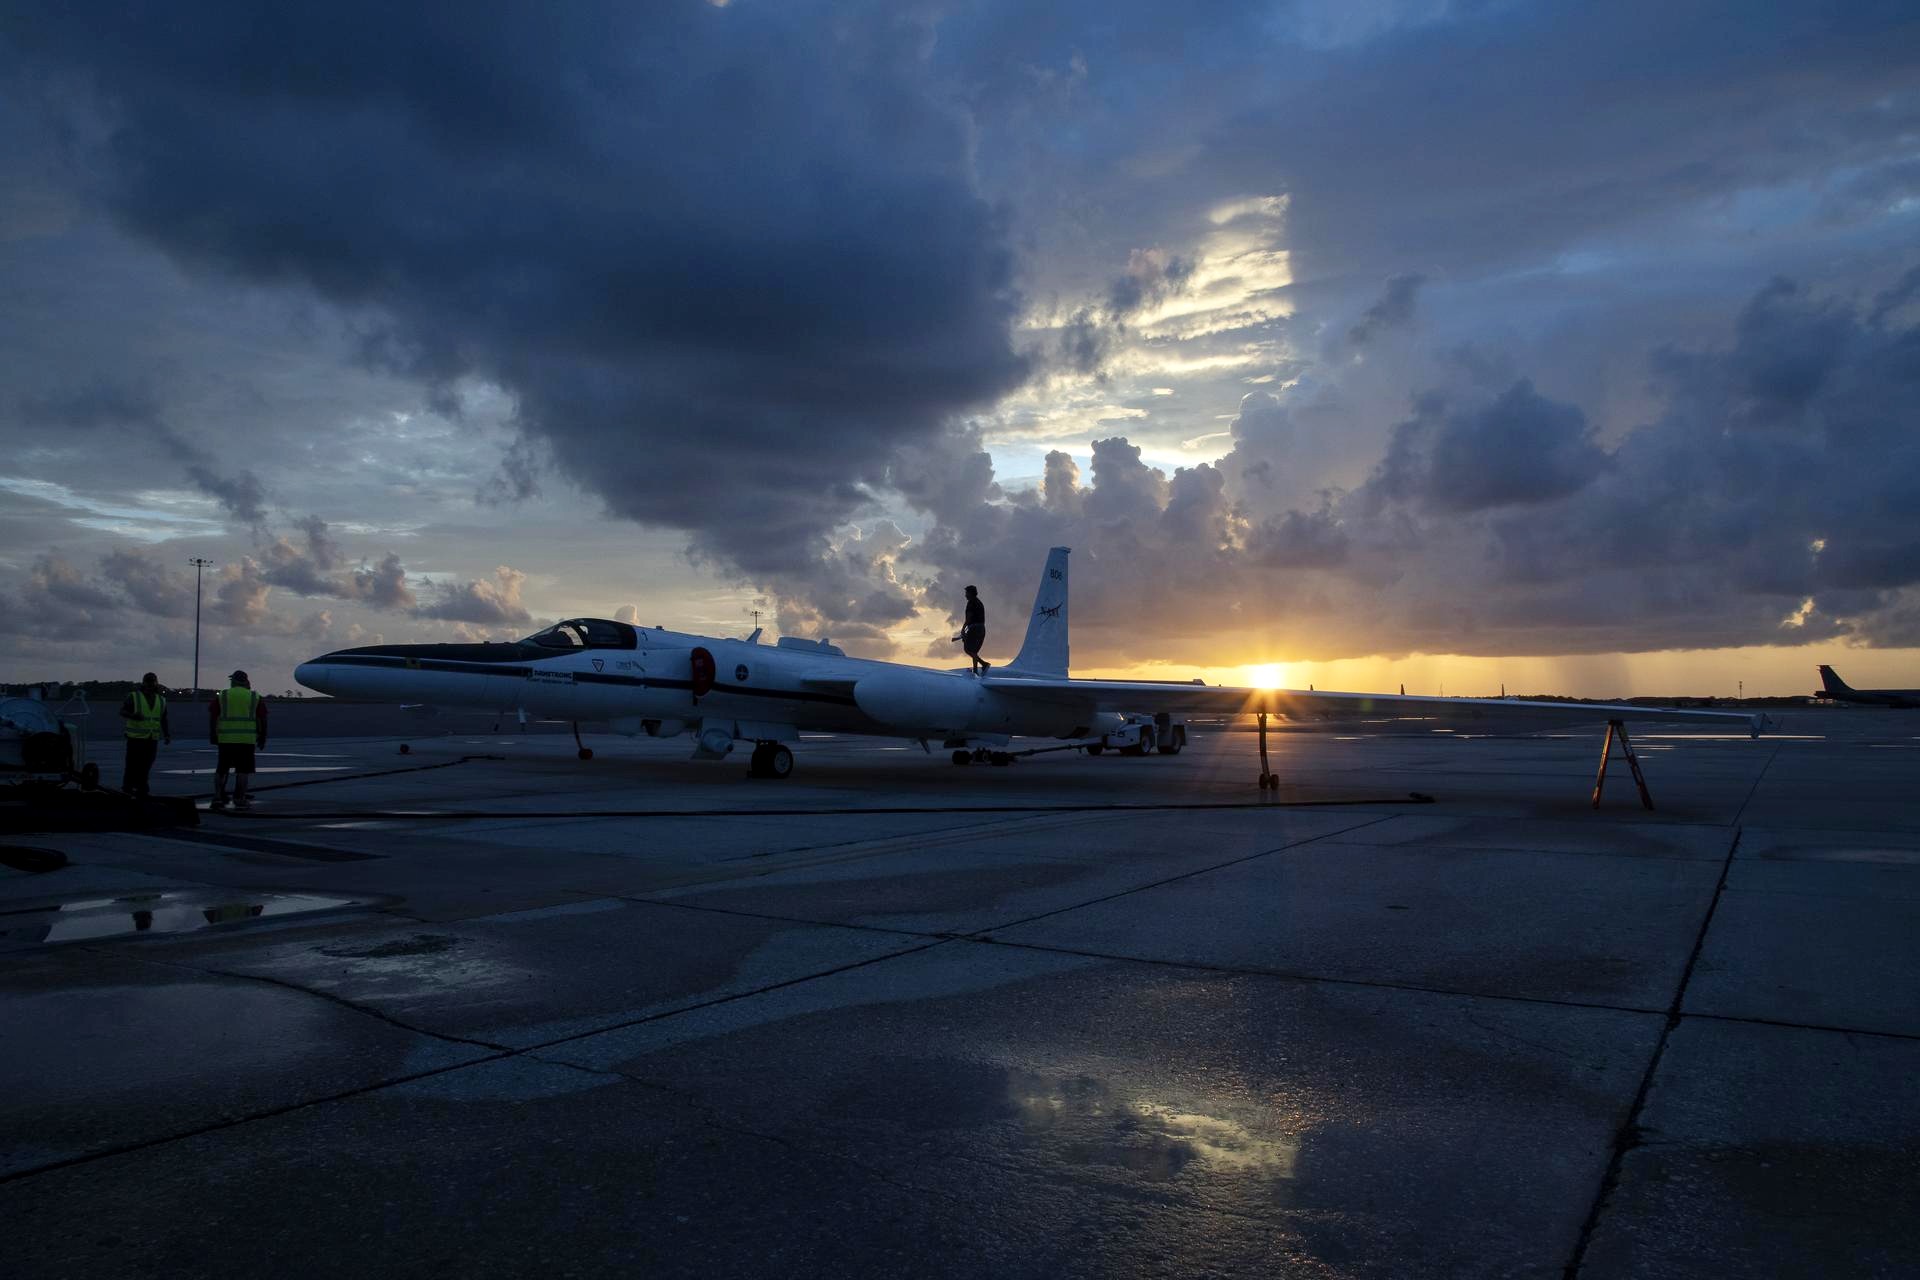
1197, 871
804, 921
730, 998
328, 996
712, 1117
1631, 1135
601, 1073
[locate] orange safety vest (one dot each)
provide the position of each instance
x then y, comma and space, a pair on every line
239, 709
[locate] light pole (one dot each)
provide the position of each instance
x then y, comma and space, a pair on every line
199, 565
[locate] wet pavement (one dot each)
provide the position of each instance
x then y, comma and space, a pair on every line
487, 1008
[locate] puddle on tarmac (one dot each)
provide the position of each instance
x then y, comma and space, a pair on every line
1094, 1123
177, 912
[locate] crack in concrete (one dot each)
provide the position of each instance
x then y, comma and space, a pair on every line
1629, 1136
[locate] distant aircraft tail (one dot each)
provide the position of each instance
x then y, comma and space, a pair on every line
1831, 682
1044, 652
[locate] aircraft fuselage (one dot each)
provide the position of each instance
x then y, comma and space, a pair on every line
648, 680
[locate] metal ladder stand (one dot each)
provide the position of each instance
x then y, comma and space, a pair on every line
1619, 728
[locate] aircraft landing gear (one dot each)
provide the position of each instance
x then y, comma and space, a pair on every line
983, 755
586, 752
770, 760
1269, 781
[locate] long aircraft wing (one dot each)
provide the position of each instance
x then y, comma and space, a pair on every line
1148, 697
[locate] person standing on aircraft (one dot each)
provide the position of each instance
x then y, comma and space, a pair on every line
973, 633
236, 724
145, 712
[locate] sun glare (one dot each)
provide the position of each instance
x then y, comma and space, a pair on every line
1267, 675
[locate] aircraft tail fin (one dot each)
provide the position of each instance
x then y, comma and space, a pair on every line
1044, 651
1831, 682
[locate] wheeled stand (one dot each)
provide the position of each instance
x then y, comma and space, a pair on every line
1619, 728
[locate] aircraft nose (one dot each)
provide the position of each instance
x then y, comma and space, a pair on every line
311, 675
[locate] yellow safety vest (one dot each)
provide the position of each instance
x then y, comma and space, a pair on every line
146, 716
238, 707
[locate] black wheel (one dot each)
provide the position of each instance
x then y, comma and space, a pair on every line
1095, 748
1000, 758
1176, 739
1146, 742
586, 753
963, 757
89, 776
779, 762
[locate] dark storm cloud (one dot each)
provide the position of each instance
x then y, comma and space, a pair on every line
1394, 309
109, 405
1466, 138
1540, 124
1301, 540
1789, 460
1521, 448
241, 494
1088, 338
726, 260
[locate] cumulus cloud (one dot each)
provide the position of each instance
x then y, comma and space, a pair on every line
152, 588
1767, 502
485, 602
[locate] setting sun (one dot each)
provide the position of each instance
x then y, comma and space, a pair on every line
1266, 675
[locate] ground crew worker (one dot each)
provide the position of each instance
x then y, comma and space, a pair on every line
236, 724
145, 712
973, 633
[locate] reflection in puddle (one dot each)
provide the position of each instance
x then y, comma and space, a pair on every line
1098, 1124
273, 768
178, 912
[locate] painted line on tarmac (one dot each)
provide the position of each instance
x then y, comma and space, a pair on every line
466, 815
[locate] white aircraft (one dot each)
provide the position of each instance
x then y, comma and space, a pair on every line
721, 691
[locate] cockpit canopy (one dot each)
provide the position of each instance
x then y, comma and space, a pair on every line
584, 633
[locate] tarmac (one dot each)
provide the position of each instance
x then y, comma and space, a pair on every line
485, 1008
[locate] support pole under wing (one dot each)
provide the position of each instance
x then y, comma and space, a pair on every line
1619, 728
